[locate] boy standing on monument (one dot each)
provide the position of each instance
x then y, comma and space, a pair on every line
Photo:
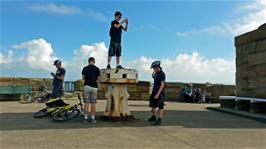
115, 43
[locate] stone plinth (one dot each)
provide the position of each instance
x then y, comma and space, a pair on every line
117, 93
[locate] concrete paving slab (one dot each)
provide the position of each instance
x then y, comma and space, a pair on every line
184, 126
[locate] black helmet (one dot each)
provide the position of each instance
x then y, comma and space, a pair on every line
57, 62
156, 64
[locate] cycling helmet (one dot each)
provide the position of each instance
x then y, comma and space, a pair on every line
155, 64
57, 62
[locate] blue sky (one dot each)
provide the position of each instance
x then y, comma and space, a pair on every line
160, 30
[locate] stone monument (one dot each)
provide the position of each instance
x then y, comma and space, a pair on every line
117, 94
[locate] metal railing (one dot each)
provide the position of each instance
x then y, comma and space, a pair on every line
69, 86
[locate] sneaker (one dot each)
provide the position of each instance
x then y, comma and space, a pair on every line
152, 118
119, 67
93, 121
108, 66
158, 122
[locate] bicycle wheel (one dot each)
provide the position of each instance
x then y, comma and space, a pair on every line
41, 113
64, 115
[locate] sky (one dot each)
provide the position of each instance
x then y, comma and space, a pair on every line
193, 39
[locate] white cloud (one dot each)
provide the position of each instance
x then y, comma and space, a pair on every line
6, 59
255, 15
96, 15
55, 8
145, 27
81, 56
39, 57
190, 68
67, 10
39, 54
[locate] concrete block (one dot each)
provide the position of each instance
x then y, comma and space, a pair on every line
260, 92
261, 70
256, 59
255, 35
260, 45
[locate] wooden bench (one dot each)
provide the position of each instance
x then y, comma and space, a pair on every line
11, 92
244, 103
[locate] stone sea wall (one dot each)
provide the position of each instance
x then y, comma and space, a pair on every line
139, 91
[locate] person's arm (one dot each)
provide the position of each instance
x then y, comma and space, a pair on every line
98, 75
83, 74
125, 28
159, 91
119, 25
62, 77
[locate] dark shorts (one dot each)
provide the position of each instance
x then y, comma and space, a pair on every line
114, 49
156, 103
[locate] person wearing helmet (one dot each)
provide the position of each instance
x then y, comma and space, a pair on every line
158, 95
58, 80
115, 43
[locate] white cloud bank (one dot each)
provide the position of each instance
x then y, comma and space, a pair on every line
39, 55
55, 8
60, 9
191, 68
255, 15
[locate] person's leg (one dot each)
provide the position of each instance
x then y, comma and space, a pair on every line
93, 104
118, 54
86, 105
153, 109
109, 60
187, 98
111, 52
117, 60
56, 91
93, 110
86, 111
160, 112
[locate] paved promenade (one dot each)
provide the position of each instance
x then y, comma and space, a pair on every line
184, 126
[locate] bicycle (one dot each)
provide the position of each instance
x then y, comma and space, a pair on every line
51, 106
68, 112
40, 96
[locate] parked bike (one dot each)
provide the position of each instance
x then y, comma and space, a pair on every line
51, 106
68, 112
41, 96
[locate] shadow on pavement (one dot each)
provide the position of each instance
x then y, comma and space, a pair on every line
186, 119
